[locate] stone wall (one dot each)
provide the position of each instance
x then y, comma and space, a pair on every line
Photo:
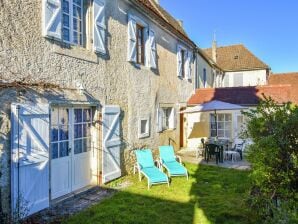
26, 55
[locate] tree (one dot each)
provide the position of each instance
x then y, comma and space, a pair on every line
273, 128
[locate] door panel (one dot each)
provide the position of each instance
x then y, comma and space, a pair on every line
111, 143
30, 157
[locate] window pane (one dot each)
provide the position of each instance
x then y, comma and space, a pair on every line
78, 146
221, 133
77, 11
65, 20
65, 6
65, 34
63, 149
54, 116
78, 2
75, 37
228, 117
78, 115
54, 150
213, 125
213, 133
144, 126
87, 115
63, 116
63, 133
54, 133
77, 130
220, 125
221, 117
228, 126
75, 24
84, 130
86, 144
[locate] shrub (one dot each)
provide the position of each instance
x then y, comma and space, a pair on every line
273, 129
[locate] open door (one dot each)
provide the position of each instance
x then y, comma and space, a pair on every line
111, 143
29, 158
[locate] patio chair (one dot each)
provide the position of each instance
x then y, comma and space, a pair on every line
238, 147
168, 161
212, 149
200, 148
146, 166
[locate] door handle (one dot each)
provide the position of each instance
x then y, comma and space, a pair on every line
69, 151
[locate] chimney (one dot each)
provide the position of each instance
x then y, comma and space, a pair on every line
180, 22
214, 50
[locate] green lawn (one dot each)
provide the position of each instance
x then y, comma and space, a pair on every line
211, 195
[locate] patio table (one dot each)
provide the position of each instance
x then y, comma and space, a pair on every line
221, 144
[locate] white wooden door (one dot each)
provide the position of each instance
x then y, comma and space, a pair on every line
81, 153
111, 143
70, 149
30, 158
60, 151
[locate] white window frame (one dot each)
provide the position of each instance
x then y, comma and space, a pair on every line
70, 27
147, 132
224, 124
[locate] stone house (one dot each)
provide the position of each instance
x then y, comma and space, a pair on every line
83, 83
238, 67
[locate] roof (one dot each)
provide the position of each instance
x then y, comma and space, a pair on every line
164, 18
283, 78
236, 58
246, 96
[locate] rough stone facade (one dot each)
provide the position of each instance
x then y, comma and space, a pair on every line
26, 55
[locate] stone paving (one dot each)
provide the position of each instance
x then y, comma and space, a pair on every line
189, 155
68, 207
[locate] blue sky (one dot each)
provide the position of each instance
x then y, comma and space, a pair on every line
269, 28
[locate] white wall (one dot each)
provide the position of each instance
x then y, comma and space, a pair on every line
201, 64
250, 78
194, 140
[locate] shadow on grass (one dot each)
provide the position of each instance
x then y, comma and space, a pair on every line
212, 195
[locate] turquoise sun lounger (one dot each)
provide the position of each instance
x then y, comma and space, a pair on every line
168, 161
145, 166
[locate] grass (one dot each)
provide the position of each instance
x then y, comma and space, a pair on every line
211, 195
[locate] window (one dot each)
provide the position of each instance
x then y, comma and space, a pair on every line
140, 44
72, 21
183, 63
82, 130
224, 125
204, 78
144, 127
166, 118
59, 132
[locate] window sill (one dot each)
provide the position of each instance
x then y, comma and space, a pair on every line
76, 52
146, 135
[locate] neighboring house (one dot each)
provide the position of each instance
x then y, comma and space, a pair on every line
207, 70
83, 84
239, 67
230, 123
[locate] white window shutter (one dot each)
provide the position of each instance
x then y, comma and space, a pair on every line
51, 24
151, 50
132, 40
174, 118
188, 65
179, 62
99, 27
159, 120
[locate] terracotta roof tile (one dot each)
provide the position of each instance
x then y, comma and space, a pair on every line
236, 58
246, 95
283, 78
